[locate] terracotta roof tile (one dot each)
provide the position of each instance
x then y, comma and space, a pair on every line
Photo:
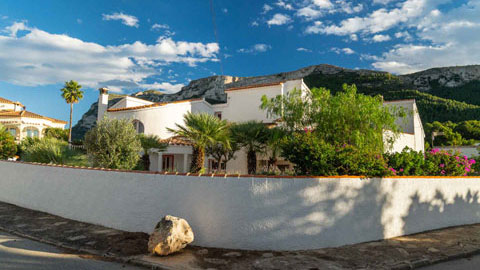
158, 104
253, 86
6, 101
177, 140
27, 114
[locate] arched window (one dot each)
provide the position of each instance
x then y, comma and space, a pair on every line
138, 126
32, 132
12, 131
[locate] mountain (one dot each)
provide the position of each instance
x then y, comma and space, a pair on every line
443, 94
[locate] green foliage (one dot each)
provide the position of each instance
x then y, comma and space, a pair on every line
343, 118
203, 130
313, 156
8, 148
114, 144
434, 162
57, 133
149, 142
450, 135
252, 136
470, 130
51, 150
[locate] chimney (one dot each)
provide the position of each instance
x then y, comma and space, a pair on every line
102, 103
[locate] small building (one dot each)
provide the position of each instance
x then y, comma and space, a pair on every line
22, 123
243, 104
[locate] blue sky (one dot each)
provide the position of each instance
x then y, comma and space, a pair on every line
131, 45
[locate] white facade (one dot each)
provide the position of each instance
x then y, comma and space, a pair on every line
256, 213
243, 104
22, 123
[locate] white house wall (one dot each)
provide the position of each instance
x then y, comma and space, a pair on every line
248, 213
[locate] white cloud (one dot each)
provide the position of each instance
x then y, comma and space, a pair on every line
381, 38
303, 50
309, 13
405, 35
254, 23
15, 27
266, 8
126, 19
284, 5
164, 86
225, 10
379, 20
354, 37
342, 50
42, 58
158, 26
323, 3
257, 48
447, 40
279, 19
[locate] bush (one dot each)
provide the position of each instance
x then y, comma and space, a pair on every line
50, 150
313, 156
8, 148
434, 163
113, 144
57, 133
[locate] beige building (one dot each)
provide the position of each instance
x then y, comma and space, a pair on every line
22, 123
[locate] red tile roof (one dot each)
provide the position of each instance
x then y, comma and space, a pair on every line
177, 140
27, 114
253, 86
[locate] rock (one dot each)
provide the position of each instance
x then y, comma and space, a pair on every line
171, 234
434, 250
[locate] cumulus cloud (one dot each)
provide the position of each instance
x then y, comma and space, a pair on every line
164, 86
42, 58
257, 48
342, 50
266, 8
447, 40
381, 38
126, 19
284, 5
158, 26
279, 19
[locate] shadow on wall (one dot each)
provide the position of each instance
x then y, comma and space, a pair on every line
323, 214
441, 211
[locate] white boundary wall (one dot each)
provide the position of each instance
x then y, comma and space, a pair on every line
247, 213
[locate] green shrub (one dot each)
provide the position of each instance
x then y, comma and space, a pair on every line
114, 144
51, 150
313, 156
8, 148
57, 133
432, 163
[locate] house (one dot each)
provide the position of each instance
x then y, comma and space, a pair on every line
22, 123
243, 104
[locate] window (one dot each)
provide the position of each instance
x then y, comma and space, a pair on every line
167, 163
12, 131
32, 132
138, 126
218, 114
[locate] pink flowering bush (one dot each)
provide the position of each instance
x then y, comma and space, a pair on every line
434, 163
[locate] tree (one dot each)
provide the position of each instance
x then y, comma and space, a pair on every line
72, 94
275, 140
8, 148
114, 144
221, 153
203, 130
149, 142
252, 136
57, 133
343, 118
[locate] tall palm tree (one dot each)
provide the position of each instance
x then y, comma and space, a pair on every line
149, 142
203, 130
72, 94
274, 142
251, 135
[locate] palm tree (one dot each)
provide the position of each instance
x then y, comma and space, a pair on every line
251, 135
203, 130
149, 142
274, 145
72, 94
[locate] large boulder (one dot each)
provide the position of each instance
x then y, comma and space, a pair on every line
170, 235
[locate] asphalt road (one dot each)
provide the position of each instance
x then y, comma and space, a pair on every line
22, 254
472, 263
